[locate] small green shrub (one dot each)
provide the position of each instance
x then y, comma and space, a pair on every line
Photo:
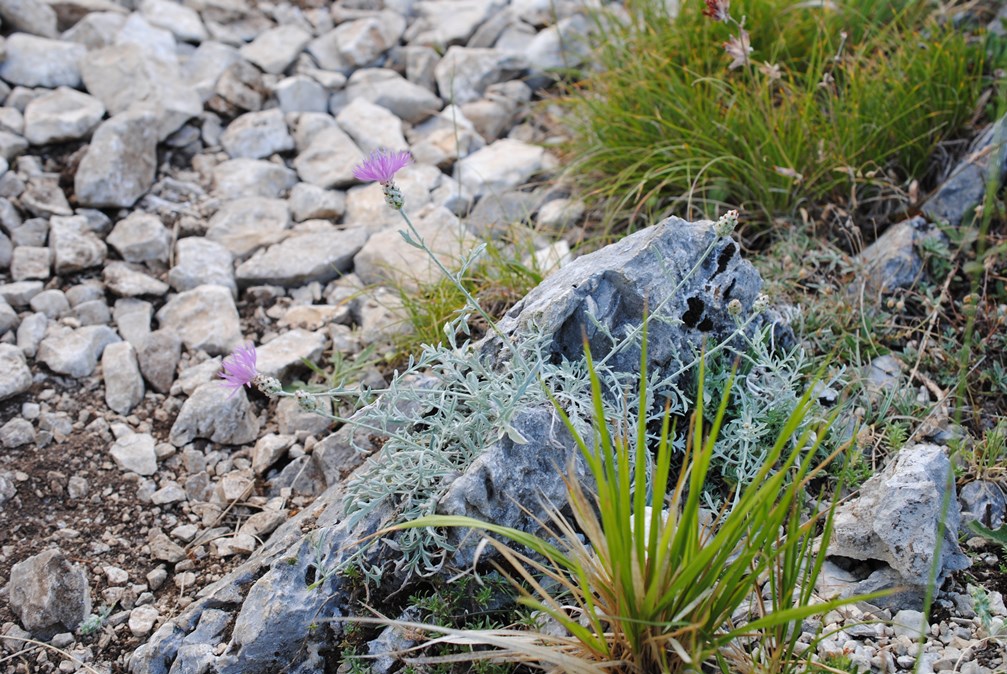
838, 100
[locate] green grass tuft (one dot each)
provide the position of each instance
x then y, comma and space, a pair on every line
864, 92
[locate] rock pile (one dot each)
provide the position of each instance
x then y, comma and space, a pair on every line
176, 179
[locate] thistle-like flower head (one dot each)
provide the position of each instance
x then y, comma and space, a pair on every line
719, 10
239, 368
382, 166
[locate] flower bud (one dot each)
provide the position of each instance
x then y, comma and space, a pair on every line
726, 224
734, 308
760, 304
270, 386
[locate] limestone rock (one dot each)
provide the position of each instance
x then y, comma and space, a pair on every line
256, 135
329, 160
75, 352
499, 167
320, 253
135, 453
15, 377
893, 261
200, 261
954, 201
464, 74
118, 167
158, 358
40, 62
125, 74
16, 433
245, 225
30, 262
388, 257
205, 318
123, 383
300, 93
308, 202
238, 178
287, 351
213, 413
75, 247
29, 16
408, 101
274, 50
182, 21
61, 115
140, 237
126, 280
371, 126
446, 22
895, 521
49, 594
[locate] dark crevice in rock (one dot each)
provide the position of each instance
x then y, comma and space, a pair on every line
694, 313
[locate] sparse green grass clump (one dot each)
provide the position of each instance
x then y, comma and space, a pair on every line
840, 102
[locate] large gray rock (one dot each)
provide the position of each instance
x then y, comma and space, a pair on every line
135, 453
75, 352
464, 74
140, 237
212, 412
329, 160
49, 594
894, 526
388, 257
499, 167
275, 49
255, 135
158, 356
182, 21
125, 280
39, 62
123, 383
200, 261
288, 351
317, 252
15, 377
29, 16
119, 165
205, 318
267, 595
893, 262
387, 88
243, 226
446, 22
956, 198
371, 126
238, 178
353, 44
61, 115
75, 247
126, 74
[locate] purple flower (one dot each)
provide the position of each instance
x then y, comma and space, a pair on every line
239, 368
382, 165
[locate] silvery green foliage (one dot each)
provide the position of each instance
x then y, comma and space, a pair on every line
768, 385
434, 434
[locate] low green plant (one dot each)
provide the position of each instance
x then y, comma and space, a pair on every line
838, 102
639, 580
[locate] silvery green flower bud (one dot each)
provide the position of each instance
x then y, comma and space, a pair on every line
268, 385
734, 308
393, 196
306, 401
760, 304
726, 224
